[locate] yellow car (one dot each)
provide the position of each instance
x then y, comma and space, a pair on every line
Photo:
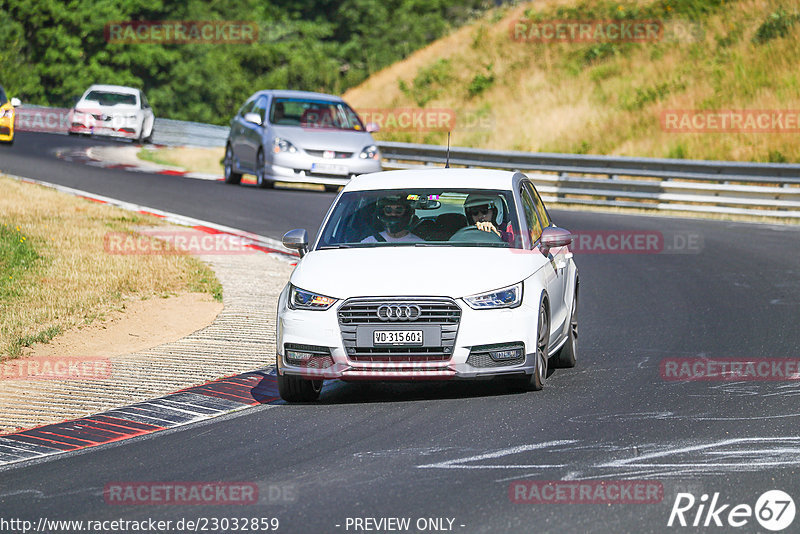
7, 117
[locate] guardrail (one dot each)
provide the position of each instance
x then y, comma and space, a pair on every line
766, 189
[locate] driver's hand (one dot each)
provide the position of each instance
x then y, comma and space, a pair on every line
487, 226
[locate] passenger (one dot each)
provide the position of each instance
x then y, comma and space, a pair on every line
395, 213
482, 211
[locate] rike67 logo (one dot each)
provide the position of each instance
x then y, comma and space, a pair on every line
774, 510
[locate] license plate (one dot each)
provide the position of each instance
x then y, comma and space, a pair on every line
325, 168
397, 337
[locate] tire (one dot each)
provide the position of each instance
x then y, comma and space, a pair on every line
535, 381
261, 179
296, 389
567, 355
227, 163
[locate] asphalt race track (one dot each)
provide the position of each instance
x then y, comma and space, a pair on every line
451, 450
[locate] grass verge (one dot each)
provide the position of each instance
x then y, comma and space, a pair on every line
56, 273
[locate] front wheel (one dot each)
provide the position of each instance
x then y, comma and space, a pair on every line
535, 381
261, 179
231, 177
296, 389
567, 355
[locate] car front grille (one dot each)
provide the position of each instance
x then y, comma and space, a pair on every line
336, 155
5, 130
363, 312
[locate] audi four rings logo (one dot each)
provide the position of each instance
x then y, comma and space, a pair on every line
399, 312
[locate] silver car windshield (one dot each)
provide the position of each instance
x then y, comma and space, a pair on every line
423, 217
307, 113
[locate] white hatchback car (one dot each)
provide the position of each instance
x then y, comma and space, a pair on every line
114, 111
429, 274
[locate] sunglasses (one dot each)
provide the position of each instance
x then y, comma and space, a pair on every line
479, 211
394, 210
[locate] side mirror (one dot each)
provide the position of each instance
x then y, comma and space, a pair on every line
373, 127
554, 237
296, 240
254, 118
15, 102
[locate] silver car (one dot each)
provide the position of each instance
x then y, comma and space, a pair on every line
297, 136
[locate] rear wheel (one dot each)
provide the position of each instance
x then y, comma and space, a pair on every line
567, 355
296, 389
261, 179
231, 177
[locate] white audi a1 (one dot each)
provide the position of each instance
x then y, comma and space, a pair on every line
429, 274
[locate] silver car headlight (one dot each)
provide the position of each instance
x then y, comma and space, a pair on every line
282, 145
370, 152
300, 299
507, 297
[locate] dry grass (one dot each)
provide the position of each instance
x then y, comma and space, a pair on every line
207, 160
74, 281
549, 98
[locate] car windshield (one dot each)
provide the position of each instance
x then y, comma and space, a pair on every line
314, 114
422, 217
106, 98
3, 97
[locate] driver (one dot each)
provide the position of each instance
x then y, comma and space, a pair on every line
395, 212
482, 211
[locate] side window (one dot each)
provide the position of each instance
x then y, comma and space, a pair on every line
543, 217
145, 104
534, 227
260, 107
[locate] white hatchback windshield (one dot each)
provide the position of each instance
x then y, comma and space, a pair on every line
422, 217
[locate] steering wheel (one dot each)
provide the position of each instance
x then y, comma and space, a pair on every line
471, 234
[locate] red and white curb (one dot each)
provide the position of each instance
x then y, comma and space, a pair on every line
88, 156
183, 407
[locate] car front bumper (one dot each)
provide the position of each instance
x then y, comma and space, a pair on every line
309, 169
320, 333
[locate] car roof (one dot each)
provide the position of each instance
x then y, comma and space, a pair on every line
297, 94
113, 88
426, 178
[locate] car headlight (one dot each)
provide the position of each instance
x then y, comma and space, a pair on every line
507, 297
7, 113
370, 152
300, 299
282, 145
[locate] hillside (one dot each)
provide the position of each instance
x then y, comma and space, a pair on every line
607, 97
